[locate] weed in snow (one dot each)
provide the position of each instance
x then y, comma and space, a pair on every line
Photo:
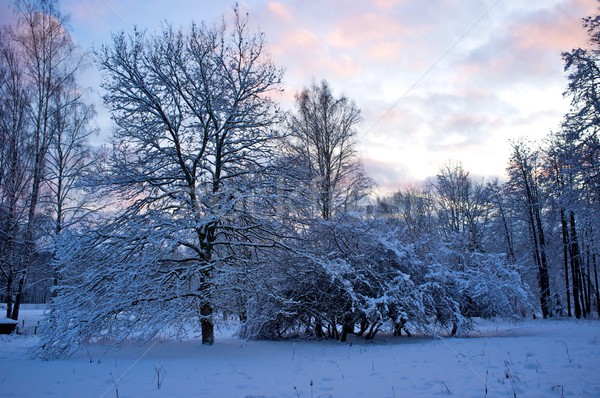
560, 390
159, 375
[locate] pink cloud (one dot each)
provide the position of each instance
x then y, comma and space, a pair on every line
390, 177
385, 51
280, 11
365, 29
343, 66
386, 4
299, 38
556, 30
528, 47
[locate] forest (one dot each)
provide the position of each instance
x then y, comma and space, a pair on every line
211, 204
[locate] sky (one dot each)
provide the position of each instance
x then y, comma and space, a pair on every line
436, 80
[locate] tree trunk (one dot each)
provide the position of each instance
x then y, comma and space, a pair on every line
319, 329
565, 238
574, 254
207, 324
543, 269
9, 296
537, 254
347, 327
510, 252
19, 296
588, 278
596, 280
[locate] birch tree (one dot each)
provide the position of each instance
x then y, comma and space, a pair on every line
15, 145
44, 62
322, 137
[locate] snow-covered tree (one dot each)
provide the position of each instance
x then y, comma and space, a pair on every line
578, 155
15, 150
463, 205
524, 170
364, 276
195, 131
40, 63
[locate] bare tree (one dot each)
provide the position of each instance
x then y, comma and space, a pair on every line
195, 132
49, 58
15, 146
579, 160
69, 158
322, 137
523, 171
413, 207
42, 62
464, 206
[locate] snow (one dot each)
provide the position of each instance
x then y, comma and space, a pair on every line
536, 358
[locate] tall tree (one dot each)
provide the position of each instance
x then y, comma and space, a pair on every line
194, 137
15, 146
576, 151
559, 177
322, 137
523, 171
48, 63
69, 159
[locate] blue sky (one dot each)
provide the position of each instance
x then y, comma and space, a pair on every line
436, 80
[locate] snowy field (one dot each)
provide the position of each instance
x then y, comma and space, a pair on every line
537, 358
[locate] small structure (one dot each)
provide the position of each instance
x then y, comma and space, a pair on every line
7, 326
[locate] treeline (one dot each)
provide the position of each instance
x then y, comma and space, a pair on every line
211, 203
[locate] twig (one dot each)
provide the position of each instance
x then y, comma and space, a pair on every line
446, 387
510, 376
160, 375
115, 384
338, 366
486, 383
4, 377
568, 355
560, 389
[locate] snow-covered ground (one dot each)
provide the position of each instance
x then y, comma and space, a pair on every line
537, 358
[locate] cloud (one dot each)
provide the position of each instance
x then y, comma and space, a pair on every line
366, 29
299, 40
432, 85
525, 45
280, 11
554, 30
389, 176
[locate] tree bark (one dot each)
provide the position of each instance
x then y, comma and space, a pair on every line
574, 254
565, 238
207, 324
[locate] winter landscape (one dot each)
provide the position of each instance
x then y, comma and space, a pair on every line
221, 233
534, 358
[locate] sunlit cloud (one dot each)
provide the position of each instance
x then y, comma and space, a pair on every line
365, 29
280, 11
435, 80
